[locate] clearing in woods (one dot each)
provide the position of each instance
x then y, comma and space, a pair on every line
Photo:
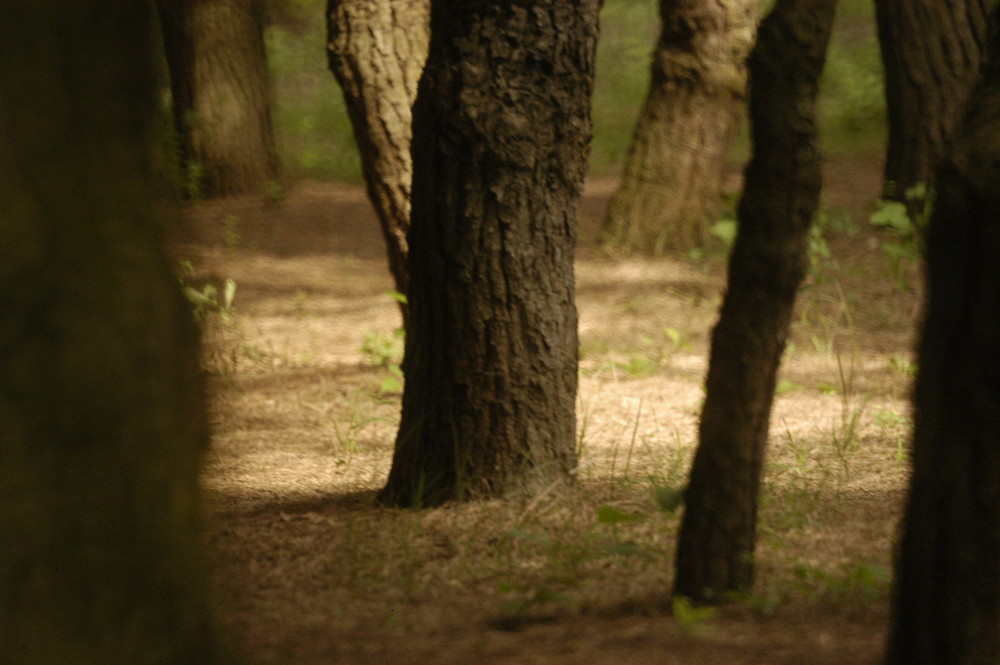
305, 403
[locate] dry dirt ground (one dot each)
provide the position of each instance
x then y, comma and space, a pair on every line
308, 570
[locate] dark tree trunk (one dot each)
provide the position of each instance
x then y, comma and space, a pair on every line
947, 587
501, 133
933, 52
672, 181
218, 78
377, 50
715, 552
102, 423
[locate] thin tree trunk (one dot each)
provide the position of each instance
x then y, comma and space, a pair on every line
672, 181
377, 50
102, 420
218, 78
501, 132
933, 53
946, 601
715, 552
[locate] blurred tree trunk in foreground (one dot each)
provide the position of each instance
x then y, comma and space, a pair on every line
672, 180
102, 423
377, 50
219, 81
715, 551
501, 133
947, 588
933, 53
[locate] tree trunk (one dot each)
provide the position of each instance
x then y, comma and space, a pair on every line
947, 589
102, 422
377, 50
933, 52
218, 77
718, 533
672, 180
501, 133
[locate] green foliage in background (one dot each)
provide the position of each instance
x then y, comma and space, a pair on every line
316, 141
629, 29
311, 127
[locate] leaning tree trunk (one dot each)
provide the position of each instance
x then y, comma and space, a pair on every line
102, 421
501, 133
218, 78
933, 52
718, 533
946, 605
673, 174
377, 50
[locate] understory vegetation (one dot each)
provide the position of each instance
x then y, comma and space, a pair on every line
304, 348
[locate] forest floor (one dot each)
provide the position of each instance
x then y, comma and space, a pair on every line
308, 570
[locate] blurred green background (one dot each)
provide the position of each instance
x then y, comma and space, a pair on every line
316, 141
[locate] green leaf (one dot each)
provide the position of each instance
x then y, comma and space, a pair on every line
229, 292
397, 296
390, 384
669, 499
611, 515
196, 297
785, 386
892, 215
916, 192
725, 230
689, 616
674, 335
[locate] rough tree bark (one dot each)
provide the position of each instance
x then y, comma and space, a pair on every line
672, 179
218, 78
715, 552
933, 53
377, 51
946, 605
501, 133
102, 422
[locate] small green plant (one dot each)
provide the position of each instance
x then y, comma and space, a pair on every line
639, 366
611, 515
210, 299
275, 192
669, 498
383, 349
386, 350
847, 435
194, 181
895, 426
348, 433
902, 365
867, 580
691, 617
633, 442
903, 234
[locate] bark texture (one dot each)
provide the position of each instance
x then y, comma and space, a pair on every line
672, 181
947, 586
715, 552
377, 51
933, 53
501, 133
218, 78
102, 422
